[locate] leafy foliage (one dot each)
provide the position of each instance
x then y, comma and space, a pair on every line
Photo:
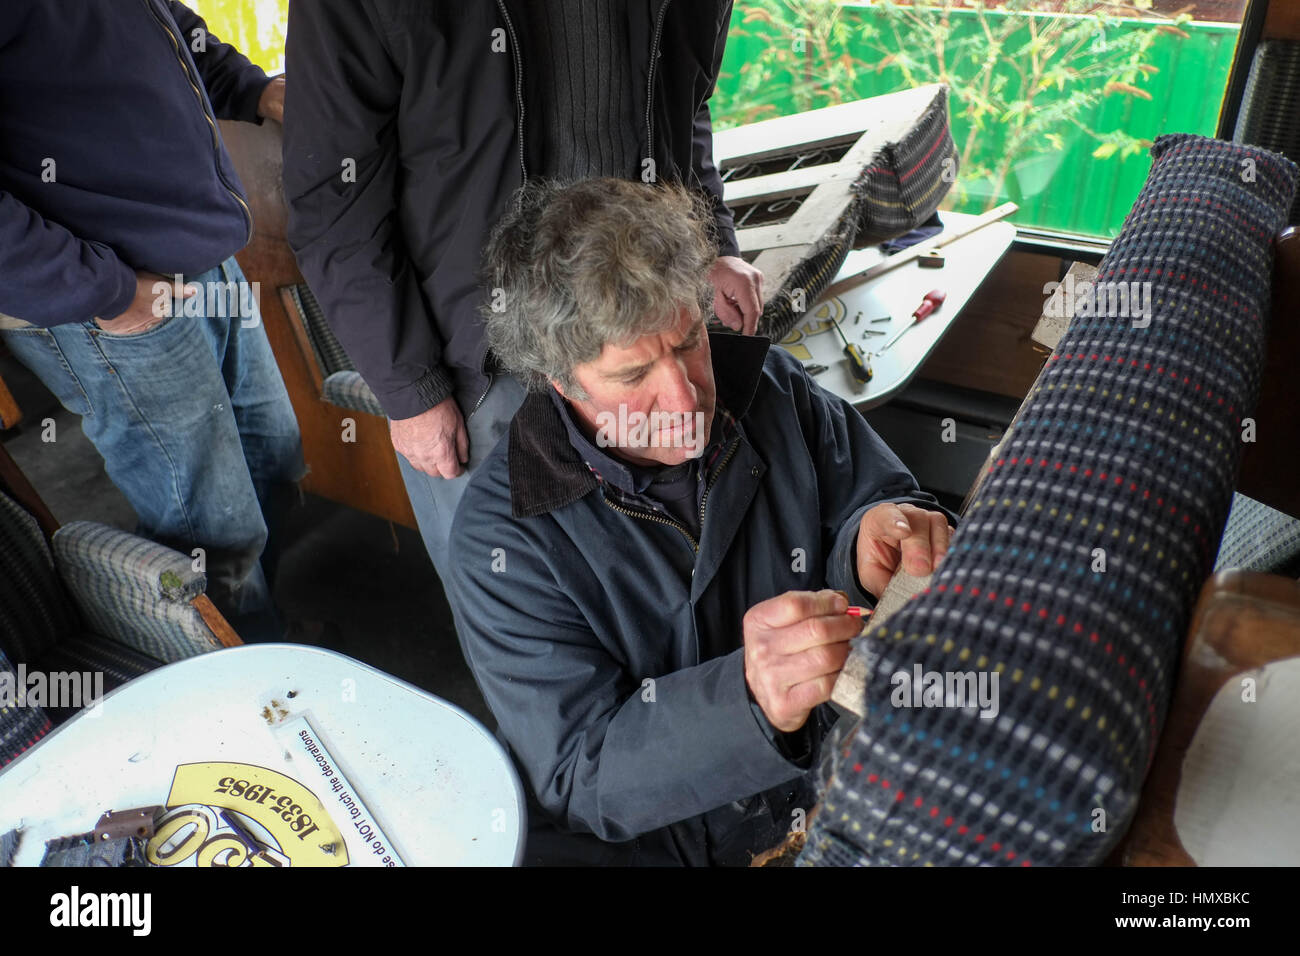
1020, 79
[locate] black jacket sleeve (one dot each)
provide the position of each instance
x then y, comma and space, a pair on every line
341, 169
234, 85
702, 153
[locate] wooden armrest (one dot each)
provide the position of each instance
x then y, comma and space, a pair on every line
10, 413
216, 623
1243, 621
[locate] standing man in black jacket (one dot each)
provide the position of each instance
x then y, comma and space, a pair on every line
408, 128
114, 184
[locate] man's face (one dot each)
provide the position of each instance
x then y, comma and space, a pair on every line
652, 402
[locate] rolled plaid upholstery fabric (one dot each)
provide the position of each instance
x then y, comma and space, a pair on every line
1075, 571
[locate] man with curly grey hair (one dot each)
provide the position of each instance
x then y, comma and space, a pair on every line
652, 571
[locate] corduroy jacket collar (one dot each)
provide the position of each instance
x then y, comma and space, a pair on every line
546, 471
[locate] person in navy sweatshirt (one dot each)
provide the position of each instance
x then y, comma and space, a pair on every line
120, 213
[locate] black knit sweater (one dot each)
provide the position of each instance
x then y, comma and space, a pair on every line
581, 117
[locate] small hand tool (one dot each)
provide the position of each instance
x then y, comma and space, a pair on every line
933, 299
858, 366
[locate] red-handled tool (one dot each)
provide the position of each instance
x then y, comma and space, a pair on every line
933, 299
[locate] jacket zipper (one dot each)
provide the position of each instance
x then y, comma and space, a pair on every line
491, 378
519, 135
519, 87
649, 516
704, 500
212, 124
650, 80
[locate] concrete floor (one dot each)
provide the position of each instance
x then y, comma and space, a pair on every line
347, 581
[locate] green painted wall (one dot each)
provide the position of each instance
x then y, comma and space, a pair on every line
1059, 185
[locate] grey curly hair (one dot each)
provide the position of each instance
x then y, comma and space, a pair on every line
572, 268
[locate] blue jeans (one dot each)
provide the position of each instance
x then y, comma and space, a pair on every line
195, 427
433, 499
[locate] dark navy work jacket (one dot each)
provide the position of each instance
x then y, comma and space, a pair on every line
567, 607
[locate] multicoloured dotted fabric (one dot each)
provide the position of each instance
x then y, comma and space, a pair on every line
1075, 570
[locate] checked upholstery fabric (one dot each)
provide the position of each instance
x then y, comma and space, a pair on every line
101, 600
1129, 444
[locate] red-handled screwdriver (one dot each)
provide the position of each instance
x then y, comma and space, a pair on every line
933, 299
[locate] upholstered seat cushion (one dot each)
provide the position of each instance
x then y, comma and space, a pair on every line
1259, 538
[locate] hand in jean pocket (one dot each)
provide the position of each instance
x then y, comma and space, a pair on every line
153, 303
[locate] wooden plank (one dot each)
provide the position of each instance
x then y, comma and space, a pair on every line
950, 234
216, 623
298, 326
851, 686
1056, 319
777, 236
10, 413
1282, 22
813, 129
362, 474
1047, 334
792, 182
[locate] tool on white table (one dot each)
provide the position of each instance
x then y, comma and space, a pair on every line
923, 248
933, 299
859, 367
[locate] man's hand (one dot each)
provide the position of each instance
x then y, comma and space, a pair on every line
795, 646
891, 535
435, 441
152, 304
737, 293
270, 105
